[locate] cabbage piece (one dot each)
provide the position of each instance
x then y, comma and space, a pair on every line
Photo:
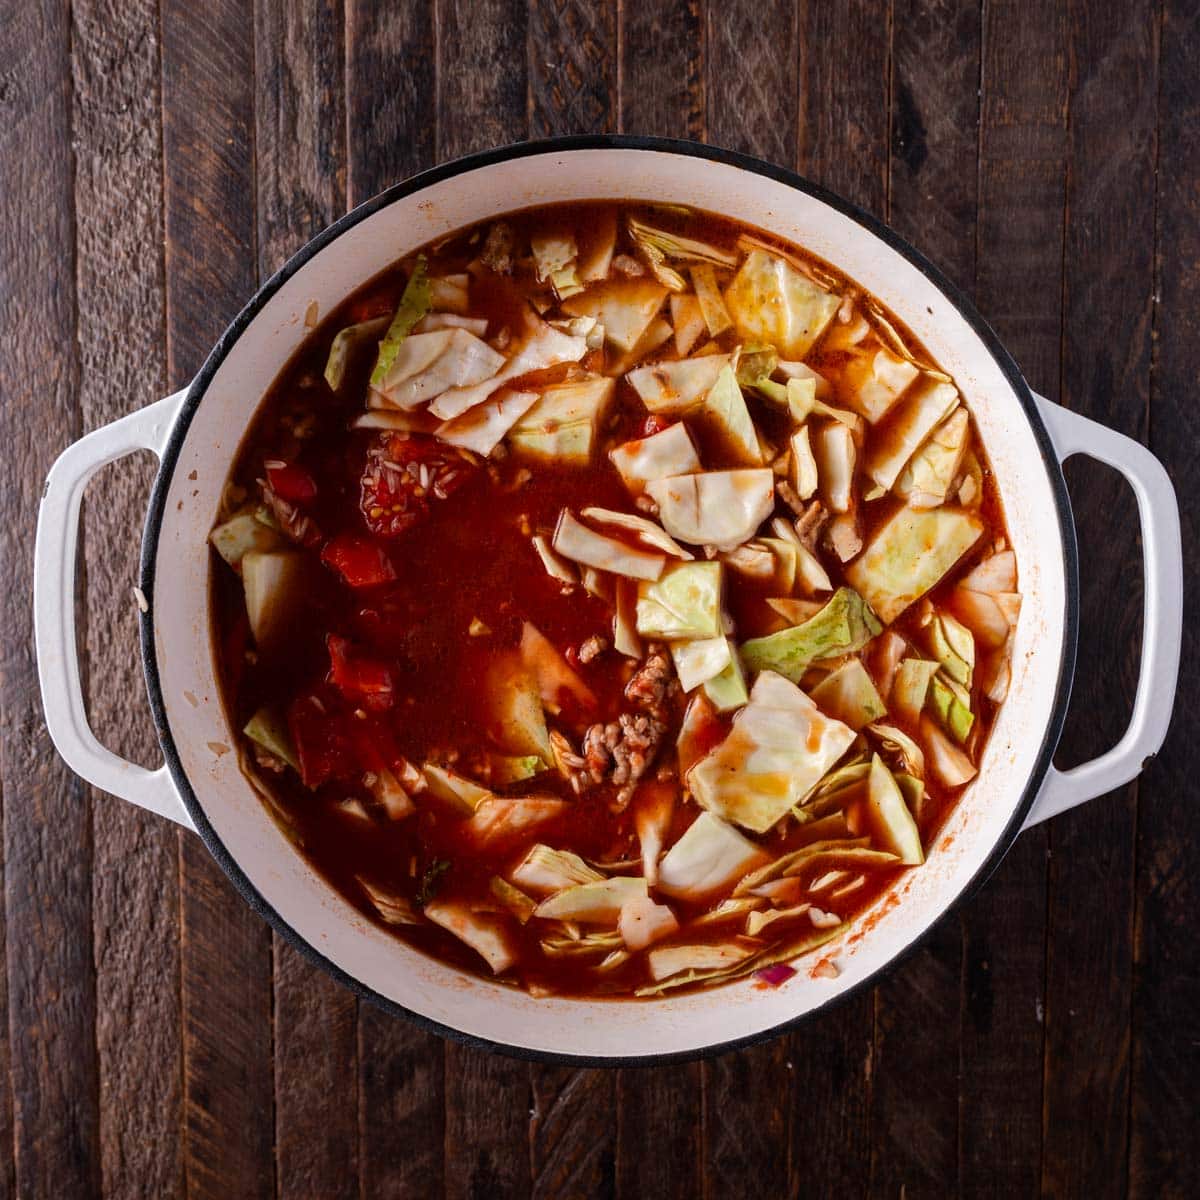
461, 793
895, 741
451, 293
580, 544
756, 922
770, 301
345, 344
685, 602
952, 706
597, 240
688, 322
803, 473
392, 908
910, 554
697, 732
954, 647
717, 508
556, 566
596, 903
843, 626
911, 687
481, 428
769, 560
795, 861
671, 388
645, 530
676, 246
414, 304
656, 260
983, 615
926, 405
544, 870
563, 424
625, 307
485, 933
441, 320
517, 721
574, 943
668, 961
273, 581
554, 258
798, 370
727, 910
709, 856
553, 674
947, 763
543, 346
724, 417
669, 452
708, 295
836, 455
416, 421
780, 745
848, 695
892, 825
520, 905
643, 922
994, 574
874, 382
699, 660
727, 690
242, 534
653, 809
930, 473
390, 792
506, 816
507, 768
837, 788
270, 731
794, 611
425, 365
625, 634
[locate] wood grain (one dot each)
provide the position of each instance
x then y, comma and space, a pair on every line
50, 1001
572, 67
300, 179
1164, 1154
1108, 291
135, 901
1019, 248
208, 128
662, 68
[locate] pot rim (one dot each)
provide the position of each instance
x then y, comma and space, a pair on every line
449, 170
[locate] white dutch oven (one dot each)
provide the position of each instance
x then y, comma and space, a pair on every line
196, 433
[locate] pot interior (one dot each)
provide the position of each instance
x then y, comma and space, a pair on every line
238, 827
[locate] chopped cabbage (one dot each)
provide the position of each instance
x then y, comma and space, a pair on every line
685, 602
481, 428
544, 870
779, 747
804, 477
707, 859
669, 961
727, 690
947, 763
556, 566
770, 301
708, 294
508, 768
874, 382
625, 634
848, 694
671, 388
653, 809
952, 706
520, 905
517, 721
910, 554
723, 415
563, 424
994, 574
643, 922
273, 581
548, 667
425, 365
506, 816
926, 481
598, 903
344, 345
843, 626
243, 534
554, 261
451, 293
485, 933
926, 405
440, 320
597, 241
392, 908
954, 647
896, 742
414, 304
892, 824
645, 530
583, 545
270, 731
688, 322
836, 455
669, 452
911, 687
463, 794
699, 660
625, 307
717, 508
675, 245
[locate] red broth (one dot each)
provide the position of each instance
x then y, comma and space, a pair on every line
398, 673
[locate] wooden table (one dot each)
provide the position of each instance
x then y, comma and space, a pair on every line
156, 161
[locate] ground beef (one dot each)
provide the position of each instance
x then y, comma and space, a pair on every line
651, 682
592, 648
497, 253
621, 751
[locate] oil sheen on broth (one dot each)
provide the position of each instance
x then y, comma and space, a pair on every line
614, 599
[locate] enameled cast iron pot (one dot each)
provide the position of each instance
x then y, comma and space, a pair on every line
196, 433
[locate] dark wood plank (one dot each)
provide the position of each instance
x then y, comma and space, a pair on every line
50, 1002
1020, 248
1108, 297
300, 158
572, 1133
842, 142
662, 68
135, 902
1165, 1157
572, 67
208, 123
933, 202
660, 1110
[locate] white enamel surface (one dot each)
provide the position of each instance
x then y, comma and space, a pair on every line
190, 690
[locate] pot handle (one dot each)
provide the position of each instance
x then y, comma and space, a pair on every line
1162, 611
54, 559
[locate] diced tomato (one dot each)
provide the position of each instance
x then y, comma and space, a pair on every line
654, 424
322, 741
404, 473
365, 681
375, 746
294, 484
360, 561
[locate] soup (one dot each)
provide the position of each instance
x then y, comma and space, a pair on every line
613, 599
